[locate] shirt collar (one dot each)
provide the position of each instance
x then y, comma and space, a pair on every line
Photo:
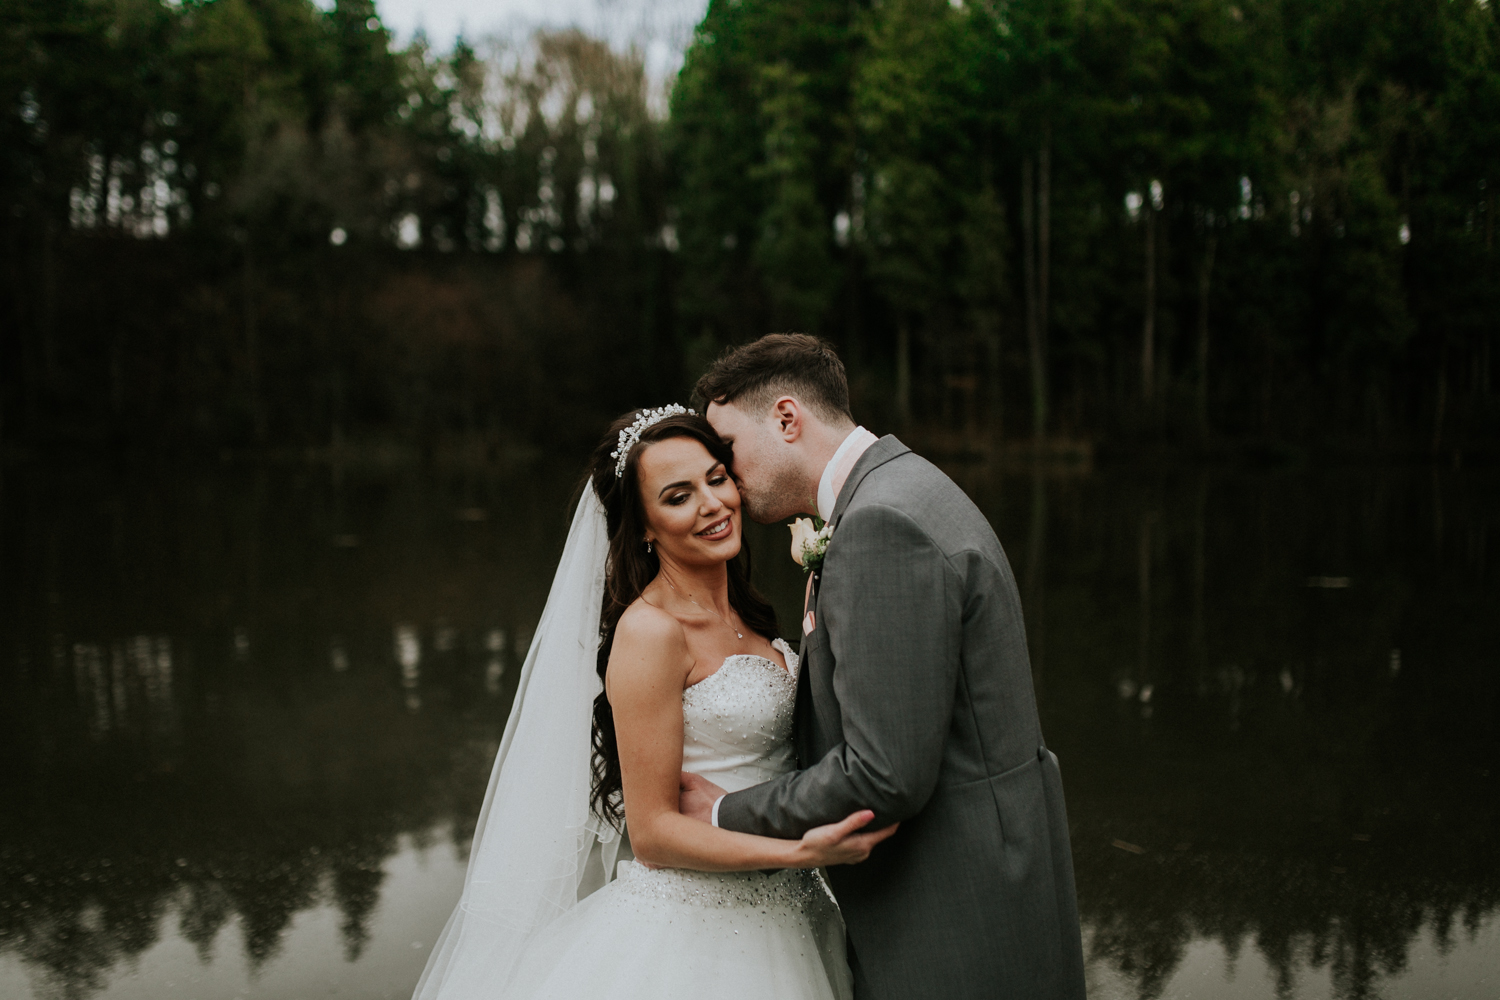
836, 472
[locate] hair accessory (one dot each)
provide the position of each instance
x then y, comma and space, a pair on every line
631, 436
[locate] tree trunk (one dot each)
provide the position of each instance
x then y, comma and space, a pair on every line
903, 373
117, 374
1486, 365
48, 313
1489, 248
1029, 256
1034, 597
854, 331
1266, 386
1205, 274
1148, 322
1044, 256
1143, 583
252, 348
1200, 577
995, 398
1442, 400
1489, 223
854, 355
336, 424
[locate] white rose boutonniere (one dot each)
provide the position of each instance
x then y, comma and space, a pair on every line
810, 542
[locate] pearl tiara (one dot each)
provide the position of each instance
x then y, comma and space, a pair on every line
631, 436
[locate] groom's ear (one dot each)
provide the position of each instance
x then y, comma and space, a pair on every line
789, 418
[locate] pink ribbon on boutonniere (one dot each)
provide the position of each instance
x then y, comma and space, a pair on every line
809, 622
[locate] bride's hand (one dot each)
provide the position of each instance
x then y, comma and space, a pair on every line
842, 843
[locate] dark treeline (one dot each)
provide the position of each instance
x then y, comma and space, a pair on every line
1112, 217
252, 223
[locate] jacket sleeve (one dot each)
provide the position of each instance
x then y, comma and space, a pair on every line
892, 606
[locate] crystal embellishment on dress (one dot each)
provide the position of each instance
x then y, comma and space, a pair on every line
737, 732
673, 929
792, 888
749, 696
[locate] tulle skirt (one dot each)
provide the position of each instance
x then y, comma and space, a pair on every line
679, 935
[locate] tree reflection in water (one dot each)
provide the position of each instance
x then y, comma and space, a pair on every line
261, 753
1273, 696
230, 697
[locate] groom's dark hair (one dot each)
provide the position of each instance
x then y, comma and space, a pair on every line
780, 364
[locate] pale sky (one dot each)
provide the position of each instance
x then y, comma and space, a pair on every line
623, 20
661, 28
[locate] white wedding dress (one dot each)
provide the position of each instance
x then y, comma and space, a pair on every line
674, 934
549, 912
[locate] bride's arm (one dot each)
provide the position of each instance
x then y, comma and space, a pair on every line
648, 669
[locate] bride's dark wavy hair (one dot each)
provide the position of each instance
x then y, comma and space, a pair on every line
631, 568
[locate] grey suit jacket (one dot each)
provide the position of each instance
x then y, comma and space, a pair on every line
915, 700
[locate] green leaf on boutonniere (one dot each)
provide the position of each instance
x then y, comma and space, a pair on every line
810, 538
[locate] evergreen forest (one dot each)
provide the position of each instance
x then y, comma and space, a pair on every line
1264, 226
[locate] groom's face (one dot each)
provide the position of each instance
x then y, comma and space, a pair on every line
765, 465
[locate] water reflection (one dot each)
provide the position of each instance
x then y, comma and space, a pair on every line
1274, 697
200, 725
233, 701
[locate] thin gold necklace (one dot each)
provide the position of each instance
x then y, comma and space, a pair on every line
737, 633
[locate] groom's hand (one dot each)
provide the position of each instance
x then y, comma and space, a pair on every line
697, 796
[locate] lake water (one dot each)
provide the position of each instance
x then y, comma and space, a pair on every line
247, 717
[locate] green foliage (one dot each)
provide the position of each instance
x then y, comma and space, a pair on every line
1317, 180
1138, 220
792, 251
913, 98
760, 135
226, 222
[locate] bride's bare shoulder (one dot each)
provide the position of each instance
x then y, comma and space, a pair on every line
650, 640
645, 622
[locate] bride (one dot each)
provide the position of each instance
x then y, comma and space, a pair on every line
584, 879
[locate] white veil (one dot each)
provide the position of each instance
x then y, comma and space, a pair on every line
538, 847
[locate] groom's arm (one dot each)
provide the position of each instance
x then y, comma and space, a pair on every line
891, 604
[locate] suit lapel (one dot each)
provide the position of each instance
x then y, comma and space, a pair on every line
876, 455
802, 713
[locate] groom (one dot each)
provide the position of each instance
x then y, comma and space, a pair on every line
914, 699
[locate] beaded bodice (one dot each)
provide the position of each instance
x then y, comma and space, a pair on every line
736, 732
737, 721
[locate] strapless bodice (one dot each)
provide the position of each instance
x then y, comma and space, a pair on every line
671, 933
737, 732
737, 721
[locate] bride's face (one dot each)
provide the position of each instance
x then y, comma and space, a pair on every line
692, 506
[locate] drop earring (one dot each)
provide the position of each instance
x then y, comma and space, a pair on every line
648, 546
